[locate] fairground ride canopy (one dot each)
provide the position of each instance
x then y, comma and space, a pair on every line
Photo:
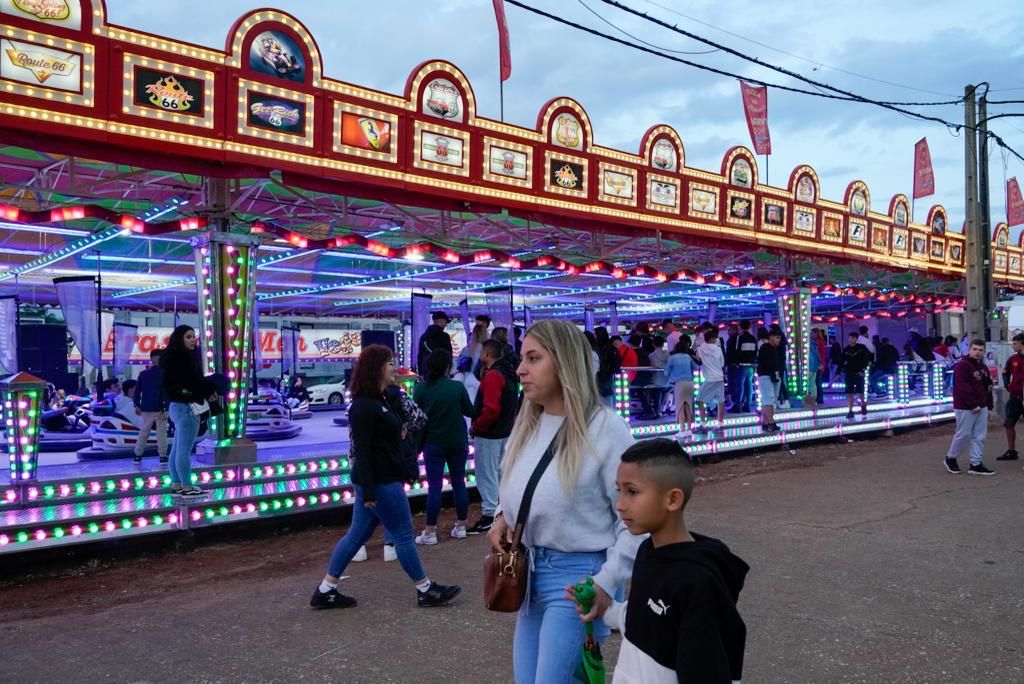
111, 136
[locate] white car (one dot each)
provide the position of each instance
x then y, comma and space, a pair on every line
330, 393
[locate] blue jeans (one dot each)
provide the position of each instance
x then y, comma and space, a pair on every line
186, 430
489, 453
549, 634
436, 458
392, 510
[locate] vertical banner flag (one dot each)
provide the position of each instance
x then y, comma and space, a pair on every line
257, 340
464, 312
588, 319
9, 334
125, 335
755, 106
499, 307
504, 48
527, 317
420, 322
613, 318
924, 179
289, 350
1014, 203
77, 298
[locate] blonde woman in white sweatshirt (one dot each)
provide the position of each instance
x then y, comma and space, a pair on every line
572, 531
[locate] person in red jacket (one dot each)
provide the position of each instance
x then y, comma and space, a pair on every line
627, 356
1013, 380
972, 400
497, 403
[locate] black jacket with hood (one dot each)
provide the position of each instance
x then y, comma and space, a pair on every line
681, 621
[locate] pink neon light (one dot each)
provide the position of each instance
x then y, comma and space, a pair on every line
172, 518
109, 526
4, 540
141, 522
76, 530
40, 535
196, 515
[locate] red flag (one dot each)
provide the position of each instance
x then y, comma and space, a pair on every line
1014, 203
504, 49
755, 107
924, 179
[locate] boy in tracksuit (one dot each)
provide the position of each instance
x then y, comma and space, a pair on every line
680, 623
972, 400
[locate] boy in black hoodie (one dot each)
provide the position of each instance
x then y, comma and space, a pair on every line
681, 622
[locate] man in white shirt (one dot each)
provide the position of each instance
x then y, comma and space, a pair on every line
672, 335
865, 339
712, 388
124, 403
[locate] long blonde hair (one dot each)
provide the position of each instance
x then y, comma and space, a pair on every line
574, 368
477, 338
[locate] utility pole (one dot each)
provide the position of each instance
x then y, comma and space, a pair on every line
985, 216
976, 286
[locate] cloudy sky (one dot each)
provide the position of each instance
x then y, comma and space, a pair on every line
883, 50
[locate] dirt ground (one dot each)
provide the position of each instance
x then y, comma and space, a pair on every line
869, 563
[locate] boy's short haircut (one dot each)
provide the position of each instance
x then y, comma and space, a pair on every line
775, 333
1019, 337
710, 333
128, 385
666, 462
493, 348
978, 342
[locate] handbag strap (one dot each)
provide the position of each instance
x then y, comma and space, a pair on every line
524, 507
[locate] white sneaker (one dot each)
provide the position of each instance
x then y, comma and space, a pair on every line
684, 436
360, 555
389, 553
459, 532
426, 539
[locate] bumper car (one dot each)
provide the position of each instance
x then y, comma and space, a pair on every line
269, 418
300, 408
62, 429
115, 436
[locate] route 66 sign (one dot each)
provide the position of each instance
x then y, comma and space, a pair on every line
443, 99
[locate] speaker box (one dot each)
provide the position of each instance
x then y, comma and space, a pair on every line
43, 351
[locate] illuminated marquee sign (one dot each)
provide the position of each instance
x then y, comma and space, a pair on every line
39, 65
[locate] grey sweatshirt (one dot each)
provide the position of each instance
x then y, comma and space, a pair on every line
586, 521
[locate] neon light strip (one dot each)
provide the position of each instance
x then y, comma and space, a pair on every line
70, 250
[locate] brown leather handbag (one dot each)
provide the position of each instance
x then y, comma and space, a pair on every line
507, 573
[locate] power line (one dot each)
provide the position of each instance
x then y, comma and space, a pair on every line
768, 65
795, 56
729, 74
846, 97
641, 40
1000, 102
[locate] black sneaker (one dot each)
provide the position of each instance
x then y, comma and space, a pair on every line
192, 492
137, 460
980, 469
482, 525
163, 460
332, 599
437, 595
849, 416
1008, 455
863, 410
952, 466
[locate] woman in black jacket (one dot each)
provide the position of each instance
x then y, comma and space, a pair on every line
379, 473
184, 386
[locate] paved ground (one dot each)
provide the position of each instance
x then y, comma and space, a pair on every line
869, 564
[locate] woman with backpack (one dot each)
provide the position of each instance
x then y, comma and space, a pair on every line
446, 442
